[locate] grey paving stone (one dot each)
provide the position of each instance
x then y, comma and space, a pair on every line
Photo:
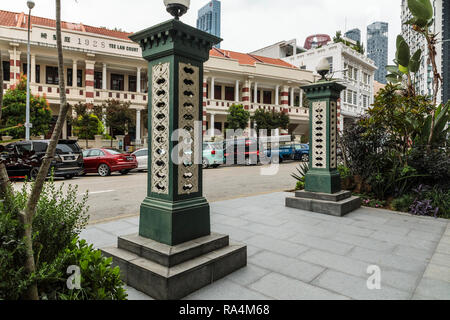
251, 250
367, 217
388, 260
275, 232
350, 229
98, 238
385, 227
438, 272
402, 240
441, 259
434, 288
430, 236
229, 221
445, 239
133, 220
134, 294
270, 221
300, 270
332, 246
335, 262
226, 290
356, 288
443, 248
416, 224
125, 232
314, 230
248, 275
114, 226
365, 242
283, 288
419, 254
279, 246
235, 233
402, 280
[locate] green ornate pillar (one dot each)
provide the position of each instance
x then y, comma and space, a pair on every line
175, 252
174, 210
322, 192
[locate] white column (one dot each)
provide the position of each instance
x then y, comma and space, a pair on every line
301, 98
104, 77
138, 126
236, 91
33, 69
74, 73
277, 95
211, 90
292, 97
138, 80
255, 94
212, 124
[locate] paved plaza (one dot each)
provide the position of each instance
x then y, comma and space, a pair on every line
300, 255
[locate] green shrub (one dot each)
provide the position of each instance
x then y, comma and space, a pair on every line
344, 171
440, 198
403, 203
300, 185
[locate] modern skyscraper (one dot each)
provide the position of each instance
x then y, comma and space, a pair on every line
377, 48
354, 34
441, 27
209, 18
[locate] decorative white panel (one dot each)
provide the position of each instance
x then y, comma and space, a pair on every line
333, 135
188, 171
319, 134
160, 128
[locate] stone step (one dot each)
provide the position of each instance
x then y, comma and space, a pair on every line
176, 282
335, 208
170, 256
339, 196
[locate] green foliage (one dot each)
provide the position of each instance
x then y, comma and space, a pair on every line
86, 124
368, 201
302, 170
422, 12
14, 110
237, 117
99, 281
344, 171
119, 116
270, 120
440, 129
300, 185
339, 39
402, 203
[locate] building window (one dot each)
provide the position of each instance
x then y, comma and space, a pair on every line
117, 82
218, 92
52, 76
355, 98
79, 78
132, 80
229, 93
6, 71
38, 73
267, 97
330, 61
98, 75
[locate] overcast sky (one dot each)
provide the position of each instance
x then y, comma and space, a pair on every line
247, 25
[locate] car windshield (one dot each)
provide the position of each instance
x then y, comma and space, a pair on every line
67, 148
114, 151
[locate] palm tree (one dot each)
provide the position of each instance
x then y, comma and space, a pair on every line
27, 216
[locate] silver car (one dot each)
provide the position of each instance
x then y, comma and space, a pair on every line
142, 159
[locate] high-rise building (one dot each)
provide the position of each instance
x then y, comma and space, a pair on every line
441, 27
209, 18
354, 34
377, 48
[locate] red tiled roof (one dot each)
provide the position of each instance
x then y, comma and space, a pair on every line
248, 59
20, 20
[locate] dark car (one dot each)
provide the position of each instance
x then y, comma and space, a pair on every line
23, 159
104, 161
301, 152
241, 151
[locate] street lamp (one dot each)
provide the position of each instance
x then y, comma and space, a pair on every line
177, 7
28, 125
323, 68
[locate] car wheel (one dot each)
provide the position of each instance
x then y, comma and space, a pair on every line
305, 158
68, 177
124, 172
281, 160
205, 164
33, 174
103, 170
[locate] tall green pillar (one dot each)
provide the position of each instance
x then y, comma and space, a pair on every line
323, 192
175, 210
323, 175
175, 253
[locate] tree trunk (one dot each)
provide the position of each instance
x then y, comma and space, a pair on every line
30, 210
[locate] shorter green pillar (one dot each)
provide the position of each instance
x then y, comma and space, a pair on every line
323, 175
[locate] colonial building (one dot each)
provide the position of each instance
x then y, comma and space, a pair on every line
102, 64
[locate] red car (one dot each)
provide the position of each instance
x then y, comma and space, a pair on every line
105, 161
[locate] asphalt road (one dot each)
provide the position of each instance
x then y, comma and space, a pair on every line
118, 196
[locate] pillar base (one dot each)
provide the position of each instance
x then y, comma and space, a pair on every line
323, 181
337, 204
173, 272
173, 223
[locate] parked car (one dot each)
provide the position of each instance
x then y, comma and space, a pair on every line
142, 159
213, 155
106, 161
244, 150
290, 152
301, 152
23, 159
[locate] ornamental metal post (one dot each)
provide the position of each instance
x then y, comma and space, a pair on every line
175, 252
323, 192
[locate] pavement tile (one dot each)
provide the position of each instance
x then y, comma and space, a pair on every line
441, 259
430, 236
443, 248
229, 221
407, 251
134, 294
226, 290
402, 240
114, 226
251, 250
270, 221
365, 242
332, 246
388, 260
281, 287
350, 229
299, 270
235, 233
248, 275
278, 246
98, 238
133, 220
433, 288
275, 232
402, 231
356, 288
335, 262
437, 272
314, 230
445, 239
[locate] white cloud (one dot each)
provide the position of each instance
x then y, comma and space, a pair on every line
246, 24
